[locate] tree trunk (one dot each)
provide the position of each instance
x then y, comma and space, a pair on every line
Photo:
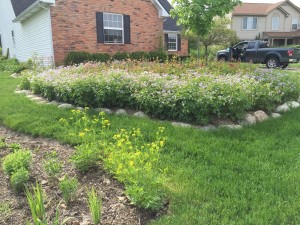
206, 52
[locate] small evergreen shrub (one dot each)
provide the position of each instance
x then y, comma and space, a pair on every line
101, 57
77, 58
160, 56
120, 56
142, 56
16, 161
19, 179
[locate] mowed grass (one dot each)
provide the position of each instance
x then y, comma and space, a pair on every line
248, 176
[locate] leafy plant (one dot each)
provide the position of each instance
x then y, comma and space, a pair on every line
19, 179
36, 203
95, 205
134, 161
52, 165
16, 161
69, 187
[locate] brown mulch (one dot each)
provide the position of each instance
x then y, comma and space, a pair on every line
116, 207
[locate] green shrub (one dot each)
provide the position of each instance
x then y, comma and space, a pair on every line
68, 187
142, 56
120, 56
15, 161
77, 58
19, 179
101, 57
52, 165
160, 56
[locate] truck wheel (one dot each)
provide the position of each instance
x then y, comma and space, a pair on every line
284, 65
272, 63
222, 58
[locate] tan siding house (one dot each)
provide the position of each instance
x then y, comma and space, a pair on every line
278, 23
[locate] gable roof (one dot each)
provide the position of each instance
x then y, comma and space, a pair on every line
25, 8
260, 9
21, 5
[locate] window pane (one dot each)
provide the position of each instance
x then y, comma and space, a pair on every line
113, 36
113, 20
172, 42
254, 23
275, 22
294, 23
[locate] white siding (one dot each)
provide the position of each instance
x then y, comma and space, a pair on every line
33, 37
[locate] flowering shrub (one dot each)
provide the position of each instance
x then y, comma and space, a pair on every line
126, 155
134, 162
187, 93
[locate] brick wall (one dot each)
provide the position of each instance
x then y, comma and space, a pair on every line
74, 26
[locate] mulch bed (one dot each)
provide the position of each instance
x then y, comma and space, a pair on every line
116, 207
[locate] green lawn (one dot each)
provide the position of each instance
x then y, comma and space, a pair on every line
248, 176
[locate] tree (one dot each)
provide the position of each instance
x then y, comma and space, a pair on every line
219, 34
196, 16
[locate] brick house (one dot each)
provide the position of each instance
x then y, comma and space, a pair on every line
276, 22
50, 29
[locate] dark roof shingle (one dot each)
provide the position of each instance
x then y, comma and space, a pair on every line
20, 6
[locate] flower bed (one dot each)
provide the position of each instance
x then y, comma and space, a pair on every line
192, 96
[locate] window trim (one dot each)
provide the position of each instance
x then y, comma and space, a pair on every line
275, 16
176, 42
295, 23
114, 28
247, 23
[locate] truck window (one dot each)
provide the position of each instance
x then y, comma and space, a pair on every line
251, 45
263, 44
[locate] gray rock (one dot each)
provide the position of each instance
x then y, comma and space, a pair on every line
260, 115
65, 106
230, 126
53, 103
25, 92
79, 108
37, 99
275, 115
107, 111
293, 104
282, 108
121, 112
207, 128
179, 124
249, 119
140, 114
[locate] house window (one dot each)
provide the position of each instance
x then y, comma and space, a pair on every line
275, 22
172, 42
113, 28
295, 22
249, 23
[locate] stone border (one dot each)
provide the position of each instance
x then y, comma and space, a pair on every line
249, 119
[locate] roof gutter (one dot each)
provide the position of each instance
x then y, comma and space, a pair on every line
36, 6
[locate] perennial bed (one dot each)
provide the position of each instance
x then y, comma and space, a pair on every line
185, 95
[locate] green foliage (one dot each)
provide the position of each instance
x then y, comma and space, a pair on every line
134, 161
120, 56
101, 57
196, 16
191, 91
52, 165
68, 187
159, 56
77, 58
15, 161
95, 205
36, 203
19, 179
140, 56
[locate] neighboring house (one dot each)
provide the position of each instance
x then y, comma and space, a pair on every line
50, 29
278, 23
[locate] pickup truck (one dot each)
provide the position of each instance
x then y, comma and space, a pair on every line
258, 51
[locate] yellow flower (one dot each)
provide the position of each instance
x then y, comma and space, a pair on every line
81, 134
131, 163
